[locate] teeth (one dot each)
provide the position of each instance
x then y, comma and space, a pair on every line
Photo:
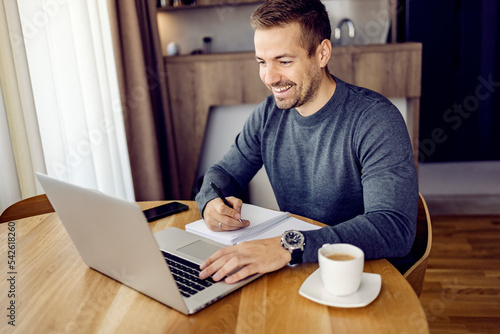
282, 89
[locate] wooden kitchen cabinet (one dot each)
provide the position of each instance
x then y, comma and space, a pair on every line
195, 83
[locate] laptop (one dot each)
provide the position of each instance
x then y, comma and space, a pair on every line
113, 237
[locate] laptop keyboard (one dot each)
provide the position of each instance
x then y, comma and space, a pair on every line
186, 275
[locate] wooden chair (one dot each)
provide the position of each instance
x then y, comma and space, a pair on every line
32, 206
421, 247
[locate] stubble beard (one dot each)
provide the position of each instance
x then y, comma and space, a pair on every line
299, 98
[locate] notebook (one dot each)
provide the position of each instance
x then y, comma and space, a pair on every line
264, 223
113, 237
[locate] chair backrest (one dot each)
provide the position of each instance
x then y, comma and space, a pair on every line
223, 125
421, 247
32, 206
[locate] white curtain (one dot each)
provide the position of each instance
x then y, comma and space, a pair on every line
21, 151
75, 93
10, 190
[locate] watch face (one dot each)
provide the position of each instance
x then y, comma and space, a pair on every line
294, 238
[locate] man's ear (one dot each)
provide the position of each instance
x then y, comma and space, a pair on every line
324, 52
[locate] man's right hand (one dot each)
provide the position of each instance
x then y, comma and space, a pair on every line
219, 217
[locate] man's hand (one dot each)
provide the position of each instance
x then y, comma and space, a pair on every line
219, 217
257, 256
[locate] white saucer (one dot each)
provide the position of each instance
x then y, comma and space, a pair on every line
313, 289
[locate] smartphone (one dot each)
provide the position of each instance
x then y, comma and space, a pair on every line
164, 210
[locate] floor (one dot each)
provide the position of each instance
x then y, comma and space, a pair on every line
461, 292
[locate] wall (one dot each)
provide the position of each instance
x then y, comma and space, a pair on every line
460, 100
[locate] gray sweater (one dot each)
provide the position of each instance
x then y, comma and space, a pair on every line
349, 165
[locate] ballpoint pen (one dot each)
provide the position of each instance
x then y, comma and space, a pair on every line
219, 193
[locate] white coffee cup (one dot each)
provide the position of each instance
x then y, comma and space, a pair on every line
341, 267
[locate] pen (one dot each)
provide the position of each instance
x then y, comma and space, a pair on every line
219, 193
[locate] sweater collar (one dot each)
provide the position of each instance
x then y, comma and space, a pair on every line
326, 111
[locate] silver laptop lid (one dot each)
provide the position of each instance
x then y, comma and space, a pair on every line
114, 238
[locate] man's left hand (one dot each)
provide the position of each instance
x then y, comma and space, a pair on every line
257, 256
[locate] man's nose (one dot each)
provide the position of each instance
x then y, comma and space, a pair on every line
271, 75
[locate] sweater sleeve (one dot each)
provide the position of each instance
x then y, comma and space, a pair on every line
387, 227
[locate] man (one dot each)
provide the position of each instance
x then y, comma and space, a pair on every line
333, 152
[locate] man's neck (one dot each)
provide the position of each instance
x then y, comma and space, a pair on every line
325, 93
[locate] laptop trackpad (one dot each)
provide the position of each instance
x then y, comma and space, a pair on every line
199, 249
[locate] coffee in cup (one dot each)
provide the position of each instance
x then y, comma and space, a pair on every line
341, 267
340, 257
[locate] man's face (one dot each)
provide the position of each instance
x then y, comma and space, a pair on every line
285, 67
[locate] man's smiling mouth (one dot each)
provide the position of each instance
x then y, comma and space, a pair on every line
282, 88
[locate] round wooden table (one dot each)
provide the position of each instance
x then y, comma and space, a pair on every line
56, 292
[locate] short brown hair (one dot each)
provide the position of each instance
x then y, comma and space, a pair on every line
310, 14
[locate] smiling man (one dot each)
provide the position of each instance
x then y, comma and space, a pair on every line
334, 152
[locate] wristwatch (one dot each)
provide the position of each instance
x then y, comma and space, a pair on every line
294, 242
